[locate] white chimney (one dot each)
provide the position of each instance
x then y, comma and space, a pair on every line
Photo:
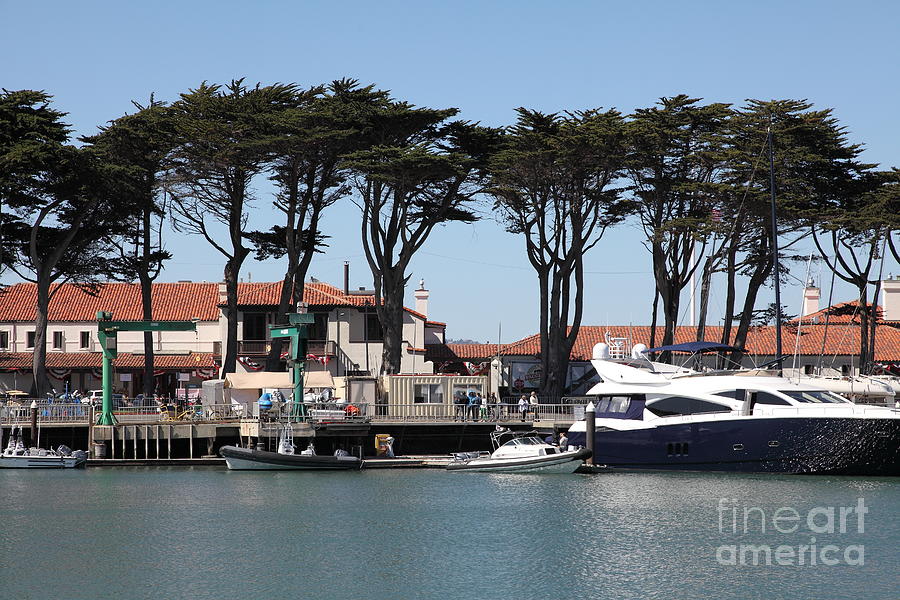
810, 299
890, 299
421, 296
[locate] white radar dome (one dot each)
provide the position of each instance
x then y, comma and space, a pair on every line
638, 350
601, 351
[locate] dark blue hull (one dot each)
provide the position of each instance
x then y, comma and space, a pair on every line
836, 446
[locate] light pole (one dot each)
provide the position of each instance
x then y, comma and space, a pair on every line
338, 349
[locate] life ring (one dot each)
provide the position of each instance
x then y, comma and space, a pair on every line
351, 410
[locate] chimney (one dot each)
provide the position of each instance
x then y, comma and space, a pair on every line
421, 296
890, 299
223, 293
810, 299
346, 277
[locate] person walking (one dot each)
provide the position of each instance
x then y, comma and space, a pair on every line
523, 406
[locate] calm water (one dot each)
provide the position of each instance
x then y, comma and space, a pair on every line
210, 533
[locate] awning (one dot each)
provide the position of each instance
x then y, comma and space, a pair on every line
258, 381
693, 347
318, 379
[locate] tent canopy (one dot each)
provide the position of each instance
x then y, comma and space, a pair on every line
258, 381
318, 379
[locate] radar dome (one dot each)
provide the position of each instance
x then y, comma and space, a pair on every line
638, 350
601, 351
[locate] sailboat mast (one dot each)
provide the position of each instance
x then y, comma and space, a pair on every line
775, 269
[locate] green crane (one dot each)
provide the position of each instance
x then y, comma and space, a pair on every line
297, 333
107, 331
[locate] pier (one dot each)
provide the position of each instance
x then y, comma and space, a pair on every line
149, 435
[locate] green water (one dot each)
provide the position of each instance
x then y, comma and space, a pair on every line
211, 533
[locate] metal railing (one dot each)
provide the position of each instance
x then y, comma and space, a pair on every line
81, 414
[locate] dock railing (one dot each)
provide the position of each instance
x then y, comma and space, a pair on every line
82, 414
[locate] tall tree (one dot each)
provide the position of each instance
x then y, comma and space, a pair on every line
63, 207
137, 145
814, 166
309, 169
852, 237
224, 138
421, 171
675, 163
553, 184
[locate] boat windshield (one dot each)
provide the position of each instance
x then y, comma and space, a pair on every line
816, 397
526, 441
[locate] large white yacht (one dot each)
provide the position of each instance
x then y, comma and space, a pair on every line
659, 416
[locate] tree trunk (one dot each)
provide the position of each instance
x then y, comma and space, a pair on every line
704, 298
873, 323
273, 360
863, 328
147, 302
232, 269
730, 294
40, 383
757, 279
653, 318
390, 313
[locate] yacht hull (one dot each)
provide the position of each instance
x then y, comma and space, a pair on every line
814, 445
243, 459
566, 462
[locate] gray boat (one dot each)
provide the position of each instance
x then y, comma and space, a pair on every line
286, 458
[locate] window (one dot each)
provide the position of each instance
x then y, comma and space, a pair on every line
680, 405
319, 330
57, 340
807, 369
373, 328
612, 404
85, 339
767, 398
29, 339
428, 393
254, 327
817, 397
4, 340
733, 394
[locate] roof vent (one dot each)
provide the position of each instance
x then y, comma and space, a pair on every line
185, 281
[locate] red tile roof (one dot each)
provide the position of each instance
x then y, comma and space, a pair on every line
844, 312
840, 340
171, 301
94, 360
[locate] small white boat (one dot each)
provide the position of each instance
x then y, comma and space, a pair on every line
520, 452
17, 456
286, 459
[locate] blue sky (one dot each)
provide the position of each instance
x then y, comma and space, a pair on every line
486, 58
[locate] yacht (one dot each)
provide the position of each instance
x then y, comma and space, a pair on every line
520, 452
658, 416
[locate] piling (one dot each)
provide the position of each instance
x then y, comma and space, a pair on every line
34, 423
589, 429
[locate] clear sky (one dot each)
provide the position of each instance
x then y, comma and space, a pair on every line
485, 58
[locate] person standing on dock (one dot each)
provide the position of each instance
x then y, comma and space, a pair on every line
473, 405
523, 406
533, 403
459, 403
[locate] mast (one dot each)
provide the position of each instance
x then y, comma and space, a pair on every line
775, 269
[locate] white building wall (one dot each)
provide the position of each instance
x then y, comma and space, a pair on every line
201, 340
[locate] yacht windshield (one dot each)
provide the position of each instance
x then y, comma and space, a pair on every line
816, 397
